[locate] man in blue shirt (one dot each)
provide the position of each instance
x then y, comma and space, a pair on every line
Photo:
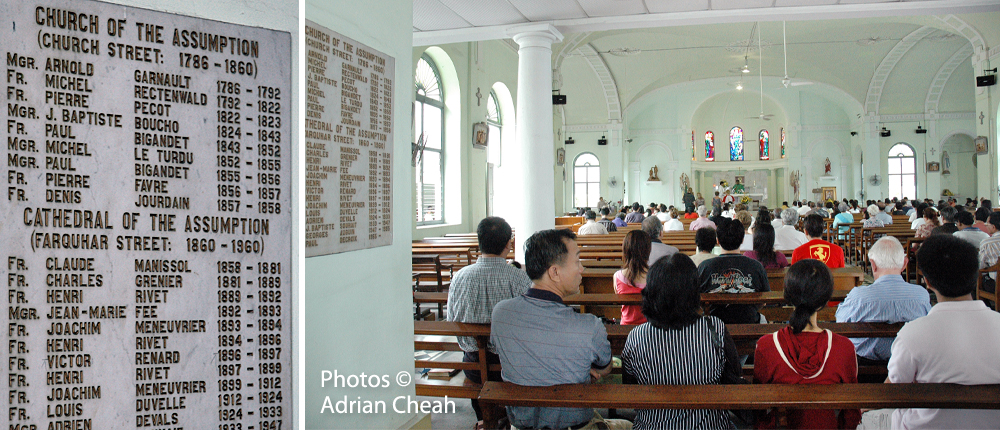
543, 342
888, 299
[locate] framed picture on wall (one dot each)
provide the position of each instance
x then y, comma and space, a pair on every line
933, 166
560, 156
480, 135
829, 194
982, 145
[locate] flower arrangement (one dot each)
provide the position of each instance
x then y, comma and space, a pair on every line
745, 200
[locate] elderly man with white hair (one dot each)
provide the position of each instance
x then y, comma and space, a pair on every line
787, 237
888, 299
701, 221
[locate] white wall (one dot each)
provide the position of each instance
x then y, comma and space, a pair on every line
358, 306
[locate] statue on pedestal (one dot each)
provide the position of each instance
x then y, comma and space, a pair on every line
654, 174
826, 167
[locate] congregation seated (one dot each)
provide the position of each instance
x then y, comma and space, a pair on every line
888, 299
871, 217
957, 342
948, 225
662, 214
636, 215
731, 272
704, 241
787, 237
930, 217
917, 216
776, 222
982, 216
842, 219
744, 218
701, 221
606, 221
989, 249
523, 328
591, 226
619, 220
652, 227
763, 249
832, 255
678, 346
477, 288
802, 353
631, 279
966, 231
673, 224
883, 215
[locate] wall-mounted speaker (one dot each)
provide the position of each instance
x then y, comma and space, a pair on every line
985, 81
558, 99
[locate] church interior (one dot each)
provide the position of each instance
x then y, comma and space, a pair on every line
530, 110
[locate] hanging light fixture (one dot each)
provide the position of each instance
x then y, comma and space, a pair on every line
739, 86
745, 69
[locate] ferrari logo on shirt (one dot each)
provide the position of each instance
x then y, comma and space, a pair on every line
820, 252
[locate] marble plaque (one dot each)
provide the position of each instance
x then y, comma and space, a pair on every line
349, 90
146, 220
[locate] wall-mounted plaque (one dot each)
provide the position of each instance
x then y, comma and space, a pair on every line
146, 221
349, 93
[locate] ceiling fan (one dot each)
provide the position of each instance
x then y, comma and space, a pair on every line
786, 81
760, 76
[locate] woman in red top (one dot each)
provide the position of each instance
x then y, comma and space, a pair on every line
802, 353
632, 278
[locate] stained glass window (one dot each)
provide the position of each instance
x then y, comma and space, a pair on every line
709, 146
782, 142
764, 145
692, 145
736, 144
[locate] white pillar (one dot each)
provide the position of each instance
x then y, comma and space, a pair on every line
535, 208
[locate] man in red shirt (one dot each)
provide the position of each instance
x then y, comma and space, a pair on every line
829, 253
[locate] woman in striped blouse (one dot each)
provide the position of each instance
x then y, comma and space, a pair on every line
678, 346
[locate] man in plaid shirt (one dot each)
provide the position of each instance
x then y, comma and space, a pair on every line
476, 289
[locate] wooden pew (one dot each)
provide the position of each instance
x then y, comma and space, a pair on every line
844, 278
751, 396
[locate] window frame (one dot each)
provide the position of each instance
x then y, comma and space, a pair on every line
497, 122
587, 183
734, 156
424, 100
901, 158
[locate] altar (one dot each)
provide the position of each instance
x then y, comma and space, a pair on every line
750, 184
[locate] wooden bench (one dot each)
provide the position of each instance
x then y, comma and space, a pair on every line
752, 396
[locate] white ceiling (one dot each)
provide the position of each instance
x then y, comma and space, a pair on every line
450, 21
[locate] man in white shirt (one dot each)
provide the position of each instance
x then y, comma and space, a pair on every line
787, 237
804, 208
592, 226
957, 342
966, 231
663, 215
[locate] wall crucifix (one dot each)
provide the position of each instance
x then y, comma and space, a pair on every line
981, 116
479, 97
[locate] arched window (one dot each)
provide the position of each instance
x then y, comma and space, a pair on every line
762, 138
736, 144
495, 124
709, 146
428, 129
586, 180
902, 171
782, 142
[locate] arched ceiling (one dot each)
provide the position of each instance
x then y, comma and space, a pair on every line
846, 54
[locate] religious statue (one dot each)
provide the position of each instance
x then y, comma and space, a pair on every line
945, 163
685, 182
826, 167
793, 180
654, 174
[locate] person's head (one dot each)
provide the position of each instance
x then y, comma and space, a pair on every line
590, 216
764, 214
605, 212
987, 203
842, 207
635, 254
653, 206
730, 234
808, 286
931, 215
705, 240
993, 222
739, 207
494, 235
763, 243
965, 219
621, 216
699, 196
653, 227
887, 254
663, 207
701, 211
949, 264
552, 260
716, 212
674, 213
789, 217
744, 218
716, 194
873, 210
777, 213
982, 214
814, 226
948, 213
899, 206
671, 298
636, 207
812, 205
726, 206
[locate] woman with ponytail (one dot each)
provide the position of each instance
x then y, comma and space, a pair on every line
802, 353
632, 278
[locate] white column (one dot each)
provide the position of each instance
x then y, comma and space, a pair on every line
536, 206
